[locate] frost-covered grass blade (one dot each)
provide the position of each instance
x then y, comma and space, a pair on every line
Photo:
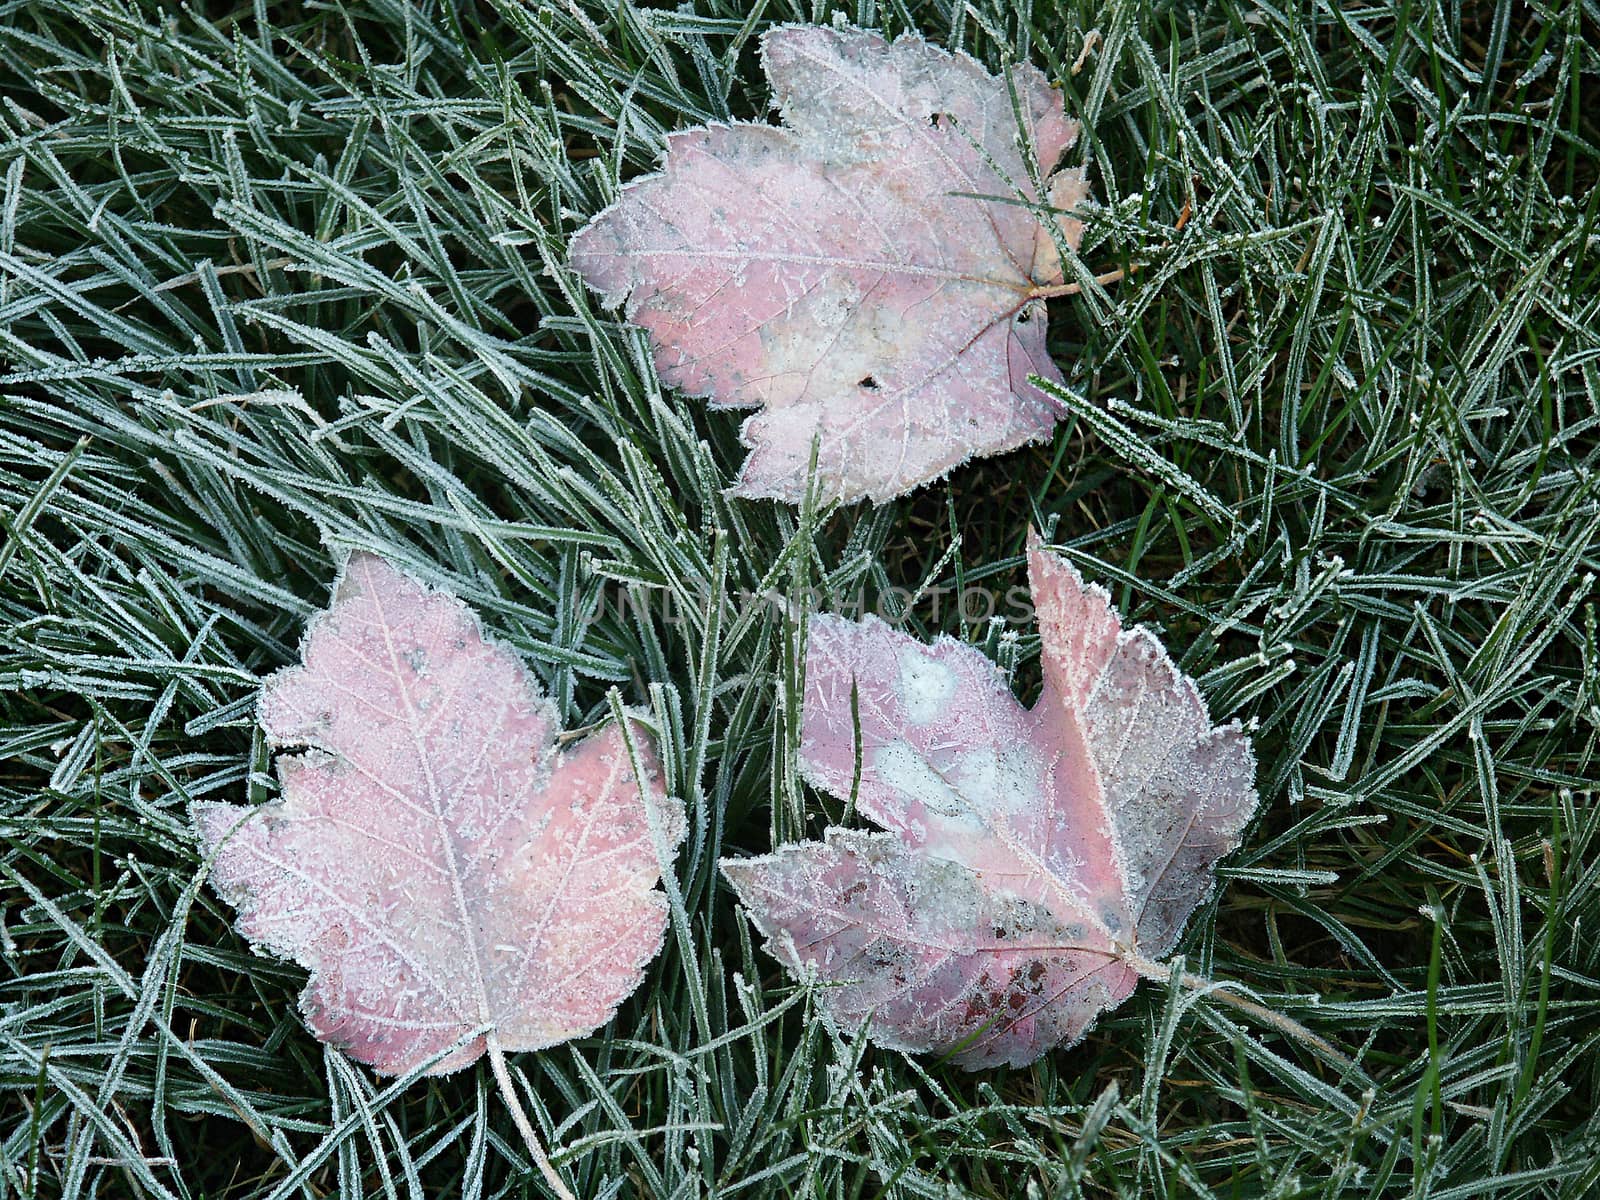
1334, 434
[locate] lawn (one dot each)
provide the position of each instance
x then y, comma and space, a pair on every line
285, 280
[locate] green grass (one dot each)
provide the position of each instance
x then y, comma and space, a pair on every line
270, 291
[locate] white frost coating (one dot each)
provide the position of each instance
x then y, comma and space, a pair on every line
926, 685
1001, 779
903, 768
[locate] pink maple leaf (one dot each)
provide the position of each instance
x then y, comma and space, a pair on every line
870, 274
1036, 861
433, 862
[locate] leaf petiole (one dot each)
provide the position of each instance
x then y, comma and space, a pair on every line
1072, 289
519, 1118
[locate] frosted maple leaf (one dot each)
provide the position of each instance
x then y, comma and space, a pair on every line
871, 274
1036, 861
433, 862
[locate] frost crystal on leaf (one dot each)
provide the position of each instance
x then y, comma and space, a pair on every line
433, 863
868, 274
1036, 861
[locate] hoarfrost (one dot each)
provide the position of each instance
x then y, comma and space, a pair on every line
903, 769
926, 685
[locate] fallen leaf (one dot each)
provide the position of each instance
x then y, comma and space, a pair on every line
1036, 861
433, 863
871, 274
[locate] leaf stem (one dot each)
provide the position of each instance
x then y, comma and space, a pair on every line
1288, 1026
1072, 289
519, 1118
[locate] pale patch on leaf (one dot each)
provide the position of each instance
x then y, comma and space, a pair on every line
433, 862
870, 274
1037, 861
